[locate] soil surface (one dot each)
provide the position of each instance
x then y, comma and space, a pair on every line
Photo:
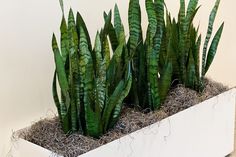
48, 134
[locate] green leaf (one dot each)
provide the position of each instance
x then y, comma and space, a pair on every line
117, 110
191, 73
185, 38
66, 125
196, 52
73, 68
80, 23
173, 48
159, 8
110, 31
106, 52
92, 110
72, 34
181, 15
101, 74
113, 38
153, 50
213, 47
93, 122
65, 114
191, 11
165, 80
165, 41
107, 19
84, 57
182, 40
98, 51
113, 72
152, 20
64, 40
73, 114
196, 57
55, 95
208, 36
78, 103
142, 77
119, 28
60, 71
135, 39
135, 28
116, 99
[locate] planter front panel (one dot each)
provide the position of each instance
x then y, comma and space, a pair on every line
204, 130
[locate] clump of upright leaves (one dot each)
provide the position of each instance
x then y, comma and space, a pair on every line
92, 85
181, 43
150, 83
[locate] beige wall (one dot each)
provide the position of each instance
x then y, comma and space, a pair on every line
26, 62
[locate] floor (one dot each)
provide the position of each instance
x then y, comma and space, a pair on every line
233, 155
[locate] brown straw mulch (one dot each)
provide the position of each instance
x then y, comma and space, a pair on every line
48, 134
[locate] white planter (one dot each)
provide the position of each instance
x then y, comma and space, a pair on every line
204, 130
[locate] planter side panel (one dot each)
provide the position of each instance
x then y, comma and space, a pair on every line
23, 148
204, 130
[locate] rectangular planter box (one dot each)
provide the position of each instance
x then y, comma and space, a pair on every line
204, 130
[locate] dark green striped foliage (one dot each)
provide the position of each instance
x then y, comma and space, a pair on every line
92, 85
150, 83
181, 44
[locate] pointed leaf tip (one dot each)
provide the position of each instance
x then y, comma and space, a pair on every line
62, 6
213, 48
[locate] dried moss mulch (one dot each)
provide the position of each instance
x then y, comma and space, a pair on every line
48, 134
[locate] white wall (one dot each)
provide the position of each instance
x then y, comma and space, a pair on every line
26, 62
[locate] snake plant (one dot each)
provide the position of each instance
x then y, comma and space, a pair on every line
150, 82
92, 85
181, 42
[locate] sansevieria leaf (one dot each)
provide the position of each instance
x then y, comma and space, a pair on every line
119, 28
208, 36
213, 47
55, 95
117, 21
62, 79
159, 8
83, 58
80, 23
73, 69
92, 114
101, 74
191, 74
192, 5
152, 69
106, 51
152, 20
110, 31
64, 40
117, 97
117, 110
182, 40
165, 80
134, 25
